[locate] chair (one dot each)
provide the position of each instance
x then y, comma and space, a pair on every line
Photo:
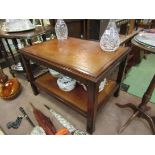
140, 110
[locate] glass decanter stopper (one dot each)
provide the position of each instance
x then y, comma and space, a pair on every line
61, 29
110, 40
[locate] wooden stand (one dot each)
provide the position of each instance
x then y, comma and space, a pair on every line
140, 110
23, 35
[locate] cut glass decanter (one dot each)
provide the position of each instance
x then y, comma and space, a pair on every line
61, 29
110, 40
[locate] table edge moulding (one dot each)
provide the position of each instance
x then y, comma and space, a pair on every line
59, 55
64, 59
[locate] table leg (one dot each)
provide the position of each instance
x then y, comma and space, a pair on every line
17, 49
29, 74
120, 75
147, 95
92, 106
6, 58
10, 51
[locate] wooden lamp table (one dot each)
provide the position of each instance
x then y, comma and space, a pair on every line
82, 60
148, 49
28, 35
142, 108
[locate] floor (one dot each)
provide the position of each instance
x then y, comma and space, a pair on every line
139, 77
108, 121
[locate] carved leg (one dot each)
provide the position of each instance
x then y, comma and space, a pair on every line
139, 112
92, 107
6, 58
120, 75
150, 121
10, 51
128, 105
142, 108
19, 55
128, 121
147, 95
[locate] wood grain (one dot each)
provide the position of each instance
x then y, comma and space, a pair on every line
78, 97
78, 55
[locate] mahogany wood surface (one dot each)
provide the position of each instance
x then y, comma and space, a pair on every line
76, 55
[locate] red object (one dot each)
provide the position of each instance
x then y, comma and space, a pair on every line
44, 121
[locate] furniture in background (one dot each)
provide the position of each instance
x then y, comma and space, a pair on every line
5, 56
134, 57
91, 29
153, 24
25, 35
141, 109
148, 49
76, 27
123, 26
145, 23
95, 28
84, 61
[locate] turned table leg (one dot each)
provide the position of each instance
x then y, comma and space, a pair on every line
140, 110
92, 107
19, 55
11, 52
29, 74
6, 57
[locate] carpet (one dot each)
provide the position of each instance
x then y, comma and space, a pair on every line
139, 77
109, 118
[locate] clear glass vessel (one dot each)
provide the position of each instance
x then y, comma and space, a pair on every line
61, 29
110, 40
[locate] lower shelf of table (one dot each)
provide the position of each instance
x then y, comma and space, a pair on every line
78, 97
